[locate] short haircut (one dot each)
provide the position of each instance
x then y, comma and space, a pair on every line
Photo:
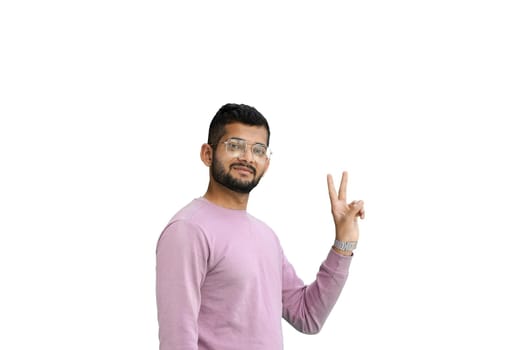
235, 113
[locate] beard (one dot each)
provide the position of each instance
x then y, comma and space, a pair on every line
220, 175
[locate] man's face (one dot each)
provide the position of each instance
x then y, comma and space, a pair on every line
239, 172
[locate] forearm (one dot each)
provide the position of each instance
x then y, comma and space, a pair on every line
306, 308
343, 252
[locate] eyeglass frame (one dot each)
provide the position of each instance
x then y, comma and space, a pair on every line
244, 142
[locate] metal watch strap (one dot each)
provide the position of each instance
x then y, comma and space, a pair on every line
345, 246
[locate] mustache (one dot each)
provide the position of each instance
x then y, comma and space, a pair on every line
245, 165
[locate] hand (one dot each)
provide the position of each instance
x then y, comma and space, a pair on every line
345, 215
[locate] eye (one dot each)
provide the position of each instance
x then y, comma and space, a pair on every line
235, 146
259, 150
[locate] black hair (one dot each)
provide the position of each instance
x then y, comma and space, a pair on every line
232, 113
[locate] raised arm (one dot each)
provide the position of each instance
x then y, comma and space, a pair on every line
307, 307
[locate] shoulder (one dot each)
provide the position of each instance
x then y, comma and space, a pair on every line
259, 223
263, 228
184, 224
188, 213
182, 232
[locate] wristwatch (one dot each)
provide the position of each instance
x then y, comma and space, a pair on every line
345, 246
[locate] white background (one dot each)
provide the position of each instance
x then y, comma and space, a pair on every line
104, 106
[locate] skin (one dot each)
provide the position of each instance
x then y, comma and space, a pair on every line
345, 214
220, 194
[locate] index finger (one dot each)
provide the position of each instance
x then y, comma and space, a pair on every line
331, 188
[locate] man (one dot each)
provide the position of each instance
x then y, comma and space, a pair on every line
223, 282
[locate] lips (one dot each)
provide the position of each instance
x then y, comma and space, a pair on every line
243, 168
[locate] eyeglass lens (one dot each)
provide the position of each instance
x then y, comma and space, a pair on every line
238, 147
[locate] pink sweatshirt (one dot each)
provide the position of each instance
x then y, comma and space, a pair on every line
223, 283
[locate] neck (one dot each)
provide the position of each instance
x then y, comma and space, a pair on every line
226, 198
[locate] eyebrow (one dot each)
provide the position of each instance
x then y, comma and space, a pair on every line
255, 143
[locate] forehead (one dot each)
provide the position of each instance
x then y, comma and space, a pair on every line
250, 133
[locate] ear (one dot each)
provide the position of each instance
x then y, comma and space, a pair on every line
206, 154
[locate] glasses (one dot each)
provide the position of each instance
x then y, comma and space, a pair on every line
237, 147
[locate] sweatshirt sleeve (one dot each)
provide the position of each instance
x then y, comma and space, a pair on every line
306, 308
182, 254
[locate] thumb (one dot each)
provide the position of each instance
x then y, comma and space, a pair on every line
357, 208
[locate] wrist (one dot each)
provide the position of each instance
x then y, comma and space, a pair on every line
343, 252
346, 237
345, 246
